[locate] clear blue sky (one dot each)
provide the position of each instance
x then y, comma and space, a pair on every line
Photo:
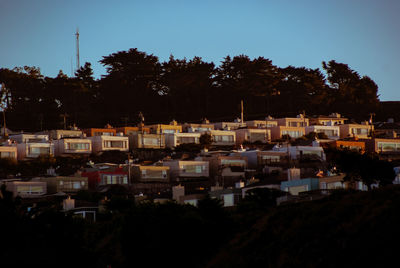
361, 33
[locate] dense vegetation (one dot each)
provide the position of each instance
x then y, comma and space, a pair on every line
125, 235
185, 90
346, 229
366, 167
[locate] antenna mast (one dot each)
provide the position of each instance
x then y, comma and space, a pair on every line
77, 49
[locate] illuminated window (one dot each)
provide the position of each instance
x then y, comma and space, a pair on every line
77, 146
271, 158
76, 185
7, 154
360, 131
39, 150
151, 141
388, 146
29, 189
115, 144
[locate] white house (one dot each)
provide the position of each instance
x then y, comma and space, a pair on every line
30, 138
222, 137
8, 151
332, 132
57, 134
153, 141
259, 159
108, 143
175, 139
34, 150
229, 125
26, 189
72, 146
360, 131
180, 169
252, 135
297, 152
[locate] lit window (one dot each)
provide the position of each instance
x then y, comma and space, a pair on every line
76, 185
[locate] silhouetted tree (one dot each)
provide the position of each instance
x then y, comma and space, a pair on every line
302, 89
205, 140
367, 168
130, 86
352, 95
187, 88
253, 81
181, 89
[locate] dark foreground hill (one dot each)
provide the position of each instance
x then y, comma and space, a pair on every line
346, 229
350, 230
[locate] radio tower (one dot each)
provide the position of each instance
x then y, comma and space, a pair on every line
77, 49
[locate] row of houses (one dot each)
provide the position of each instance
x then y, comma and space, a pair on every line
223, 173
224, 168
28, 146
99, 176
226, 175
208, 168
94, 140
297, 189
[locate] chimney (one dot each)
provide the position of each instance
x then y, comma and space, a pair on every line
336, 115
51, 171
68, 203
239, 184
268, 118
293, 174
205, 121
178, 191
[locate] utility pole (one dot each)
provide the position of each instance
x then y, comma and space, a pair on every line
370, 121
160, 133
64, 116
241, 113
141, 125
129, 168
77, 49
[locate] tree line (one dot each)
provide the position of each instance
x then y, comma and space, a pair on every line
186, 90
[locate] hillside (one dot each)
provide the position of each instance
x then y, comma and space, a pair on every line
356, 230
